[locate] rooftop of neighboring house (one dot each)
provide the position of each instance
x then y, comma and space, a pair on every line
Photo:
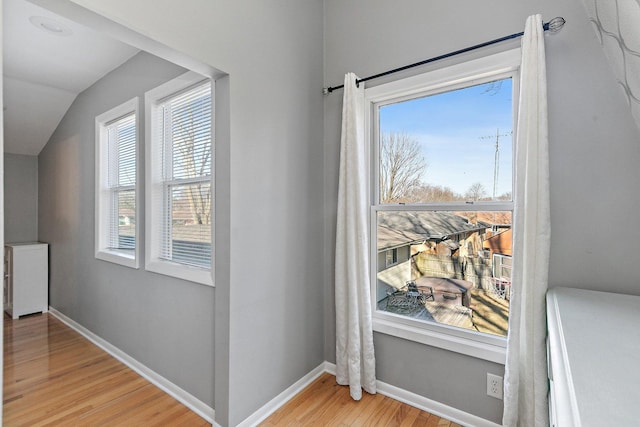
401, 228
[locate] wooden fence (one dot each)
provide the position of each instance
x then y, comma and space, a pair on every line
473, 269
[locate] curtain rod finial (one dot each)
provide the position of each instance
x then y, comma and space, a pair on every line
556, 24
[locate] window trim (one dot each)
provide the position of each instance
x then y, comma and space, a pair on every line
101, 177
504, 64
153, 184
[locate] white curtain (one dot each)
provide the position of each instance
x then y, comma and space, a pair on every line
355, 361
525, 393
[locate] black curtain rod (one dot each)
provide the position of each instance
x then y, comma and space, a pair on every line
554, 26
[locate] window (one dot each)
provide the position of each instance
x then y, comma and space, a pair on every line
442, 192
116, 235
391, 257
179, 178
502, 266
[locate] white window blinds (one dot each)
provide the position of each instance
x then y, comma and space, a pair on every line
186, 143
121, 146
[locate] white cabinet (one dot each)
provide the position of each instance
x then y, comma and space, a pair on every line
26, 278
594, 358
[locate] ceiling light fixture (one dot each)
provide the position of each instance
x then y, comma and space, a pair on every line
51, 26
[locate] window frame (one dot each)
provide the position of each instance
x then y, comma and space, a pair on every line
154, 183
103, 191
465, 74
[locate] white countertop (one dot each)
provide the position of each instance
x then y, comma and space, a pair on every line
597, 340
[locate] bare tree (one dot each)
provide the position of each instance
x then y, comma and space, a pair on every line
401, 166
476, 192
195, 150
426, 193
506, 196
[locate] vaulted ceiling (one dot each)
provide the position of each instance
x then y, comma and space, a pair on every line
48, 60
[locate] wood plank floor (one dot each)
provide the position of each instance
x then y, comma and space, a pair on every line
325, 403
54, 376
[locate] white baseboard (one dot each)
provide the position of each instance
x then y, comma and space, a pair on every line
206, 412
421, 402
158, 380
330, 368
275, 403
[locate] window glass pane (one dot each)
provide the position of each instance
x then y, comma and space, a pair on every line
452, 146
189, 239
127, 151
123, 233
121, 181
188, 142
187, 153
122, 151
445, 270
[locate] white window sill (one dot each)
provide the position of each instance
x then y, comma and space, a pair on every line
458, 340
117, 257
190, 273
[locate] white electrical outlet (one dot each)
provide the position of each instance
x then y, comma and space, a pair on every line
494, 386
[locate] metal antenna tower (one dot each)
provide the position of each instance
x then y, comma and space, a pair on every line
496, 160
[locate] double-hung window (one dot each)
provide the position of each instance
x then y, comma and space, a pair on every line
442, 183
179, 178
117, 231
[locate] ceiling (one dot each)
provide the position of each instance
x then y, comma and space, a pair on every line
44, 71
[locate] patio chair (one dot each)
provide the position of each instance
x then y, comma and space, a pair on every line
422, 294
399, 299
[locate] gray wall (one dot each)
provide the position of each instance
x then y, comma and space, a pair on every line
269, 278
20, 198
594, 154
165, 323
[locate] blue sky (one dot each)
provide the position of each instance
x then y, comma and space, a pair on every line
450, 128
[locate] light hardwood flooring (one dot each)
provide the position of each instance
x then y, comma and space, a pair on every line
325, 403
55, 377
